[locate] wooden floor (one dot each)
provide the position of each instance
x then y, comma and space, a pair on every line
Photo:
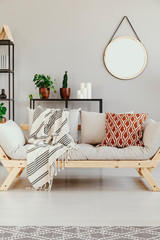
83, 197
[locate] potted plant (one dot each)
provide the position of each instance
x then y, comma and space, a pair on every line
64, 91
3, 110
44, 84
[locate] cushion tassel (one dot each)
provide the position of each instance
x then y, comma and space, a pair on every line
52, 168
65, 164
63, 159
55, 168
58, 166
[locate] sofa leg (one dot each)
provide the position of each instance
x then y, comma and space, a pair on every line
150, 180
9, 180
139, 172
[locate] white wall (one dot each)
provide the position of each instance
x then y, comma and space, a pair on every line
52, 36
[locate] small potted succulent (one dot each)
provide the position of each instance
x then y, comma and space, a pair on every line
3, 111
65, 91
44, 84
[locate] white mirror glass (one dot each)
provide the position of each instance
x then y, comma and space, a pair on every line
125, 57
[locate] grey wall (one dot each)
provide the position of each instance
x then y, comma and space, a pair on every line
52, 36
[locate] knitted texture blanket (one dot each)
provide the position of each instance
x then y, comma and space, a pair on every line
50, 141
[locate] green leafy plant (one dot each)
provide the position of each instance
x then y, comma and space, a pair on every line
65, 79
3, 111
30, 96
34, 95
42, 81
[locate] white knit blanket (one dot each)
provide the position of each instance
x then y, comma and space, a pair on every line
50, 141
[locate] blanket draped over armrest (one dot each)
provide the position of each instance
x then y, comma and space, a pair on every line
50, 141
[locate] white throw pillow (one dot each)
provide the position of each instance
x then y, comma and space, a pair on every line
73, 121
30, 114
148, 121
93, 127
11, 137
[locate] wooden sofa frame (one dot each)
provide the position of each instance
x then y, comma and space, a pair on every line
143, 167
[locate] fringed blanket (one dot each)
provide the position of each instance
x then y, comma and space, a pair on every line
50, 141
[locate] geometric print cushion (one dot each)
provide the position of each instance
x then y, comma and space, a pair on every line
123, 130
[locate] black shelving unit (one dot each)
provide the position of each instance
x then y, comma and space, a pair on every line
32, 101
10, 72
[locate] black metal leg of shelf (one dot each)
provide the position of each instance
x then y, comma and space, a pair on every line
100, 106
66, 104
9, 81
33, 104
13, 81
13, 109
30, 103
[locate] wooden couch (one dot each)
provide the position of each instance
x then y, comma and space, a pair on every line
143, 167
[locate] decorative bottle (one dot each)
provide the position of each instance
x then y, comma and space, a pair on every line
3, 95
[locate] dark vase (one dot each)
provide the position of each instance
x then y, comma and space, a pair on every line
3, 95
65, 93
44, 92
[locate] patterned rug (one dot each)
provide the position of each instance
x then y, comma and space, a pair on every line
79, 233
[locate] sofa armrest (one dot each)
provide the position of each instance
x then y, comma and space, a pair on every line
151, 136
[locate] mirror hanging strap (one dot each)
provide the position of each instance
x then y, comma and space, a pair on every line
120, 25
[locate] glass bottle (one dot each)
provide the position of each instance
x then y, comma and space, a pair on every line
3, 95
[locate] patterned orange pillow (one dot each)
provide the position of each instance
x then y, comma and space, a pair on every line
123, 130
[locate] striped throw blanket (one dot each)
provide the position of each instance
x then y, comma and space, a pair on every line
49, 141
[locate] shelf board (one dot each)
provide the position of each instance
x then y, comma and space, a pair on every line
6, 99
64, 100
6, 71
6, 42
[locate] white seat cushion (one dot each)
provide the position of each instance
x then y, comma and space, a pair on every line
88, 152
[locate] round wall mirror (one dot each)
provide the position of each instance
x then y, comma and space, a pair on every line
125, 57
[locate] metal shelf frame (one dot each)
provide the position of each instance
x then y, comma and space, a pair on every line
10, 72
66, 101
